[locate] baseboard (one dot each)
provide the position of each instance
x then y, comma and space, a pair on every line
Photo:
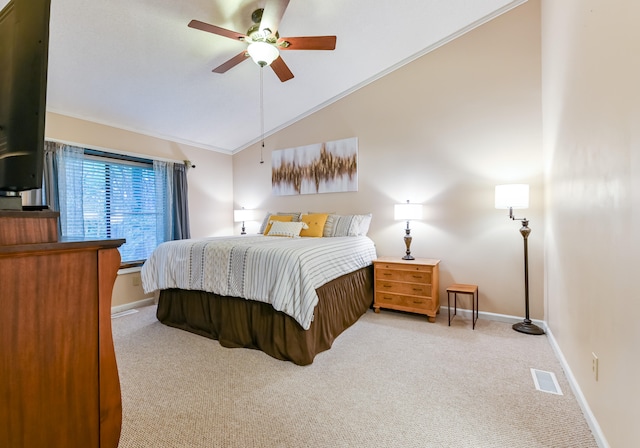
466, 314
129, 306
582, 402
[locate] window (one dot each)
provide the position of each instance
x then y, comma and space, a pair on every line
103, 195
120, 202
119, 197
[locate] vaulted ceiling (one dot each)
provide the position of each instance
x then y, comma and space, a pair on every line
136, 65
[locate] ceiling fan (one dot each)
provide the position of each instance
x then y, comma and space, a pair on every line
264, 41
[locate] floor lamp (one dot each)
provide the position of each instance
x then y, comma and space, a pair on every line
517, 196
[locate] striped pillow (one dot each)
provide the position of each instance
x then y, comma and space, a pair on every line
347, 225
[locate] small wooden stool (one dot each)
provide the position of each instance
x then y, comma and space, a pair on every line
456, 289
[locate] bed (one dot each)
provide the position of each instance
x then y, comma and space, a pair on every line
288, 297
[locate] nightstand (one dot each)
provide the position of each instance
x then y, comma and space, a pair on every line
407, 285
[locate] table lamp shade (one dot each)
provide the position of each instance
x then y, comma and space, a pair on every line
242, 215
407, 211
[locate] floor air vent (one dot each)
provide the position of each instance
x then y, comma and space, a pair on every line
546, 381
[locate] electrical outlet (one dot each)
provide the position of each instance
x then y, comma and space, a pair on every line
136, 280
594, 365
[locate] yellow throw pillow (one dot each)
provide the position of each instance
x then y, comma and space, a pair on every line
281, 218
316, 222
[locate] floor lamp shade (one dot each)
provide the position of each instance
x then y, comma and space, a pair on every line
512, 196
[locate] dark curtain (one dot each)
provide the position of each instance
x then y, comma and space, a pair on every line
181, 229
50, 182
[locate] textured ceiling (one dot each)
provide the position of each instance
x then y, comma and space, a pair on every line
135, 64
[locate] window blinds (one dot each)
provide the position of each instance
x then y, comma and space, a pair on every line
119, 200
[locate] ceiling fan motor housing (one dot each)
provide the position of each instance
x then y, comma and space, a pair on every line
256, 35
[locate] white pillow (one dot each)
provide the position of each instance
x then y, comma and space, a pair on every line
290, 229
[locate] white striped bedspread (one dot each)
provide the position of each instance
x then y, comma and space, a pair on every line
284, 272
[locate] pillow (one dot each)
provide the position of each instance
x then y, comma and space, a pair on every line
263, 227
289, 228
295, 216
329, 226
343, 226
365, 223
276, 218
348, 225
315, 224
265, 221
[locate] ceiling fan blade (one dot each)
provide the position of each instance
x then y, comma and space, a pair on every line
308, 43
231, 62
281, 69
272, 14
216, 30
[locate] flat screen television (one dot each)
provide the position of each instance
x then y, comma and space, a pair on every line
24, 49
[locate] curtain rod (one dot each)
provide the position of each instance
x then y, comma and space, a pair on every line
187, 163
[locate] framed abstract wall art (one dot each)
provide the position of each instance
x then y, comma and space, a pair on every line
327, 167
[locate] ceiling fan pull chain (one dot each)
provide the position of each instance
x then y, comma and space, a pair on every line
261, 114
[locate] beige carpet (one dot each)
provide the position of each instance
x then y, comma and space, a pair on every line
391, 380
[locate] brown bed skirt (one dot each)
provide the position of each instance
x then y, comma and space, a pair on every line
237, 322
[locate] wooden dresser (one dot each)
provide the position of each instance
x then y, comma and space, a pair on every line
59, 385
407, 285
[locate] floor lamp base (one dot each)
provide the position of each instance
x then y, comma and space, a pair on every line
528, 328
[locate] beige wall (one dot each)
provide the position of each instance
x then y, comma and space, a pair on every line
592, 154
210, 185
442, 130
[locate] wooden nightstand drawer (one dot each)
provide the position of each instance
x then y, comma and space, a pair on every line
403, 266
415, 289
415, 276
407, 303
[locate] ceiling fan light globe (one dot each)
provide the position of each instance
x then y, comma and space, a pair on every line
262, 53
